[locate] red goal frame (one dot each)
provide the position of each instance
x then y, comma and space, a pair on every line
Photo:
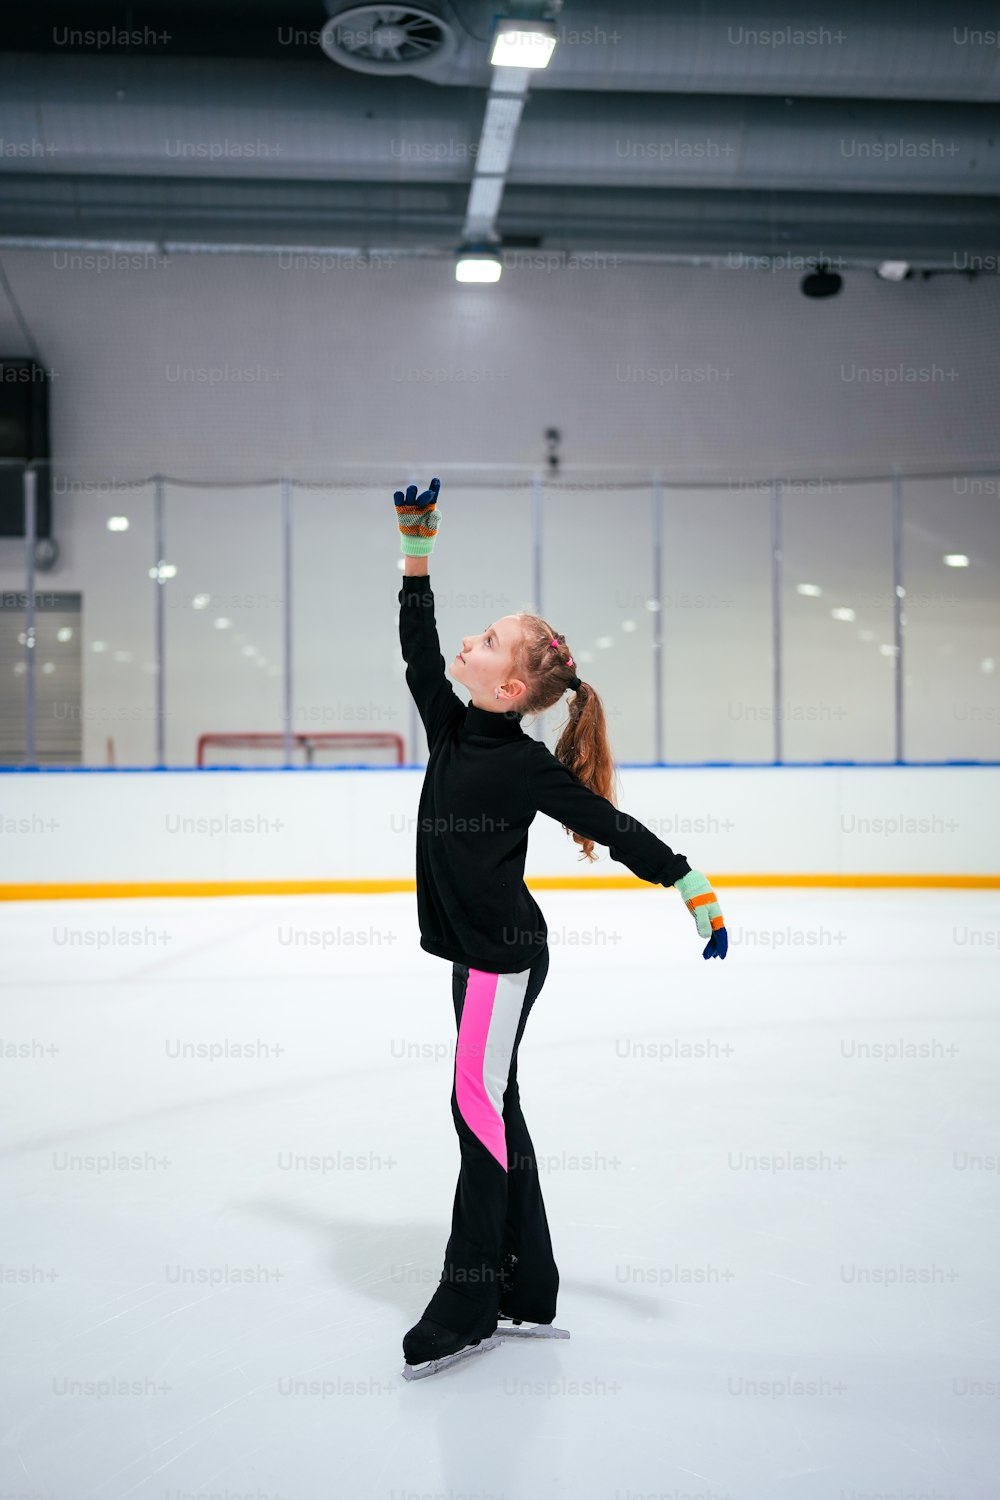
303, 739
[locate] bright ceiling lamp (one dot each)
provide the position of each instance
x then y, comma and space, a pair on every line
956, 560
523, 44
477, 263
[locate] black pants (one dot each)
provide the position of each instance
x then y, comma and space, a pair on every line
498, 1201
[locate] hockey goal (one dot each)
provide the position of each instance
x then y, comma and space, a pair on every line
326, 749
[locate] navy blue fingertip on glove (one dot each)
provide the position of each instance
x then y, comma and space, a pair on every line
700, 900
717, 945
418, 518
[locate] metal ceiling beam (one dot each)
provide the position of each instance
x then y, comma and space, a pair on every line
856, 49
504, 107
960, 232
179, 122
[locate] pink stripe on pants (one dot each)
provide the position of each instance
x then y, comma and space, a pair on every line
490, 1015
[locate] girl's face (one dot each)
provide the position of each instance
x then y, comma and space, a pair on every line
485, 663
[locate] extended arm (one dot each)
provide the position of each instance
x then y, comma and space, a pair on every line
553, 789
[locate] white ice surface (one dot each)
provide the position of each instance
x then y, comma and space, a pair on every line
686, 1273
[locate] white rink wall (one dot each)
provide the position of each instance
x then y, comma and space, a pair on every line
279, 826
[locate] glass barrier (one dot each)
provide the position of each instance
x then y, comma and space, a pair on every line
345, 637
112, 556
94, 654
717, 627
598, 591
15, 627
838, 653
951, 655
664, 593
223, 601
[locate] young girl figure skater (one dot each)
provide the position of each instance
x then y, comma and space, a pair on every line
485, 781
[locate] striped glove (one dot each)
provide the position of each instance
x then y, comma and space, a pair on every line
418, 519
699, 898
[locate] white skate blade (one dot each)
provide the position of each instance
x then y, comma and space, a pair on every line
507, 1330
432, 1366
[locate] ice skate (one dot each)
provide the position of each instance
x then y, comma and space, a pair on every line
430, 1347
522, 1328
509, 1327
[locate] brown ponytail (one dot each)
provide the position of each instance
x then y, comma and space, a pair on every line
583, 746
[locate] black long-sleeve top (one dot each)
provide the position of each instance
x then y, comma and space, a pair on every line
485, 781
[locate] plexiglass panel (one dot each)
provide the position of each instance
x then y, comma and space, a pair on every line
838, 658
222, 587
597, 585
109, 563
951, 552
716, 586
224, 609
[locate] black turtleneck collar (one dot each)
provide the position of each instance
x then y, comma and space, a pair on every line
503, 726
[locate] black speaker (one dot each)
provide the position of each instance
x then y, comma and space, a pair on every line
24, 435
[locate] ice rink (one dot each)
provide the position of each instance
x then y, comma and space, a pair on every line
772, 1186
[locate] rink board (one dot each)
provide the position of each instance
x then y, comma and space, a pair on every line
333, 830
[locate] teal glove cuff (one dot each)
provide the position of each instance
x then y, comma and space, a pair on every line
417, 546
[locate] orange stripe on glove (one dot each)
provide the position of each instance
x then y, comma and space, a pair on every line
700, 900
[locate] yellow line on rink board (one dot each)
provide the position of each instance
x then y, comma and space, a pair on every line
101, 890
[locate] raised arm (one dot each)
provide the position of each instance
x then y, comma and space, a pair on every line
436, 700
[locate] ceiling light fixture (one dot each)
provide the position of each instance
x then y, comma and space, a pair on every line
477, 263
523, 44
